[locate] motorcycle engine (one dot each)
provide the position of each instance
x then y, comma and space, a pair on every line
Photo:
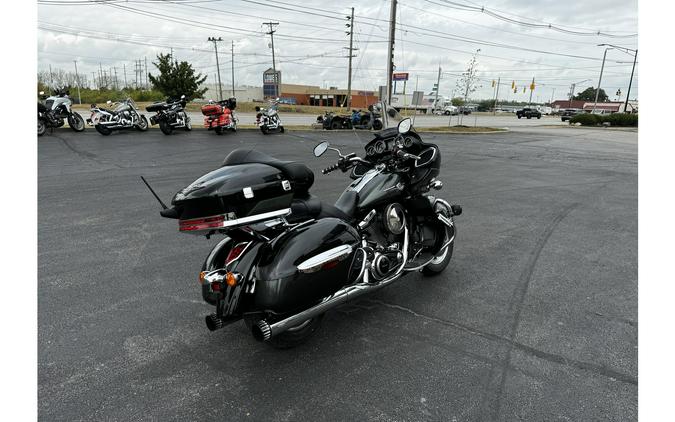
386, 240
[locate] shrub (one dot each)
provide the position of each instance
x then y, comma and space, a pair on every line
586, 119
621, 119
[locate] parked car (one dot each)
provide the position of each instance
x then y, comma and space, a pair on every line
528, 113
568, 113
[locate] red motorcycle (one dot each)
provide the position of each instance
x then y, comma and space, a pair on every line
220, 116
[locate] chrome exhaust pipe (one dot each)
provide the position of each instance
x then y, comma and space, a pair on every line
264, 331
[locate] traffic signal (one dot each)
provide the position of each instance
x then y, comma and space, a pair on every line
493, 83
513, 85
532, 86
435, 87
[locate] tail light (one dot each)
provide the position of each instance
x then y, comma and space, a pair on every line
201, 223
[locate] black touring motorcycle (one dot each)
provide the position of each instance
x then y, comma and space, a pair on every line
170, 115
287, 258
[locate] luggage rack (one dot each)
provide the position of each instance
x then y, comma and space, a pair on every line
207, 225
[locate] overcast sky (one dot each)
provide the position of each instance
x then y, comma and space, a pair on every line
311, 35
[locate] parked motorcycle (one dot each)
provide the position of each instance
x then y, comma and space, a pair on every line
268, 118
54, 110
287, 257
335, 121
123, 115
170, 115
368, 120
220, 116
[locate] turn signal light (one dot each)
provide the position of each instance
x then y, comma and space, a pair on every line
231, 279
202, 276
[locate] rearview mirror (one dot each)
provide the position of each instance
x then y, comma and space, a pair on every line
320, 149
404, 126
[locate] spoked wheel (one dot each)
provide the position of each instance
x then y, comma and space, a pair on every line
42, 127
292, 337
188, 123
142, 124
438, 264
76, 122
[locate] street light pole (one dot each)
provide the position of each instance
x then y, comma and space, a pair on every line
597, 91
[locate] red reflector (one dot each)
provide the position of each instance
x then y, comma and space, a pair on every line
215, 286
236, 252
201, 223
329, 265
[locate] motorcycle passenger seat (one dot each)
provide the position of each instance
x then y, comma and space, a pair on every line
298, 173
310, 206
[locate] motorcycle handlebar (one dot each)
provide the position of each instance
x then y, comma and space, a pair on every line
331, 168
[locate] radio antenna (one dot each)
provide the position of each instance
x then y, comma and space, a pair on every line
153, 192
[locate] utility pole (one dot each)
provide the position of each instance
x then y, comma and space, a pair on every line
274, 66
233, 68
146, 73
125, 74
390, 48
552, 95
602, 68
116, 84
350, 25
438, 87
77, 78
529, 103
494, 109
51, 76
625, 108
100, 75
215, 46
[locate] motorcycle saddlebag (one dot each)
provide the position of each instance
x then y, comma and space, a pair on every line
282, 287
233, 196
212, 109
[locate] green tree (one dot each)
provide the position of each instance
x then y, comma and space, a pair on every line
589, 95
177, 78
485, 105
458, 101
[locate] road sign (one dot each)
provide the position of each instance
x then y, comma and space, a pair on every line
400, 76
418, 97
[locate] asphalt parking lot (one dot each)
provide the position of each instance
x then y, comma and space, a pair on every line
535, 318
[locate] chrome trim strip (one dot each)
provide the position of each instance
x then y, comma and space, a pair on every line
315, 263
239, 221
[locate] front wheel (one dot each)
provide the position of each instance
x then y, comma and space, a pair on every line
76, 122
377, 125
142, 124
264, 130
438, 264
42, 127
188, 123
292, 337
165, 127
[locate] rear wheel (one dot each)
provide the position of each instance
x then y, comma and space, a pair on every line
335, 124
264, 130
142, 123
188, 123
103, 130
76, 122
377, 124
218, 130
165, 127
42, 127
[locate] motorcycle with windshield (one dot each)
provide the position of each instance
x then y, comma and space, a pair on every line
54, 110
268, 118
170, 115
123, 115
286, 257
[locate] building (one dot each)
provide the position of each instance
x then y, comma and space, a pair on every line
331, 97
603, 108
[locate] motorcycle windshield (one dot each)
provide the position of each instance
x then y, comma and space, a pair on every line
389, 119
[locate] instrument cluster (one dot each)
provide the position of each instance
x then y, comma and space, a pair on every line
376, 148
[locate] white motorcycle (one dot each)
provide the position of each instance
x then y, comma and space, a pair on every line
268, 118
54, 110
124, 115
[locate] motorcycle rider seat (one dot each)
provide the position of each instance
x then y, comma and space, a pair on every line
312, 207
298, 173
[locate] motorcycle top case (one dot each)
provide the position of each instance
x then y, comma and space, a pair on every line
157, 107
231, 196
211, 109
281, 287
